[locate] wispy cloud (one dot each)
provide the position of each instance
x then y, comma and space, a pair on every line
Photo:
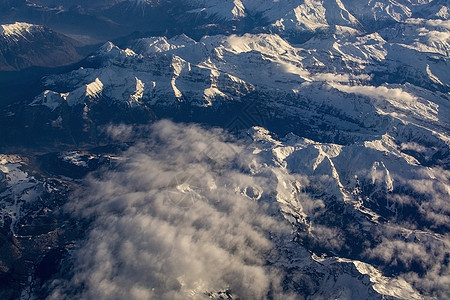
189, 211
377, 92
142, 245
424, 255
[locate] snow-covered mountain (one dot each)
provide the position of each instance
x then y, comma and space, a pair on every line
295, 20
24, 45
329, 177
329, 88
338, 200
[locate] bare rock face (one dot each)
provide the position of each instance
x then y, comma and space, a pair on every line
24, 45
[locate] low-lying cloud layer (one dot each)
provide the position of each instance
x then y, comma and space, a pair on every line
188, 213
173, 222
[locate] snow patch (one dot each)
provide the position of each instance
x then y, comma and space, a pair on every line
136, 97
19, 30
94, 89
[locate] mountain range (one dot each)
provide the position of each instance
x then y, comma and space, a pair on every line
307, 152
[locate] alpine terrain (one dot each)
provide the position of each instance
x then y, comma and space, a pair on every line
233, 149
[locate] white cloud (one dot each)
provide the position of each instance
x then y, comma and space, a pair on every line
425, 255
413, 146
189, 212
381, 92
331, 238
343, 78
120, 132
143, 245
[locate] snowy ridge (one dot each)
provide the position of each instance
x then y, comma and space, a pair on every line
226, 10
287, 16
337, 83
19, 30
374, 181
180, 63
359, 57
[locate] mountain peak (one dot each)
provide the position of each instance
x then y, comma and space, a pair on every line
23, 45
19, 29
